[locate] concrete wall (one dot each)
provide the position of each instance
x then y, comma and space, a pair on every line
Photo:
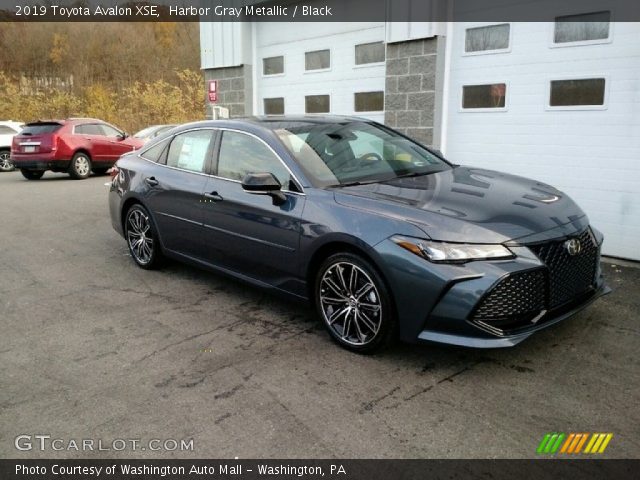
235, 89
410, 88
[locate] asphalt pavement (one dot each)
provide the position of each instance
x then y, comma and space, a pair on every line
92, 347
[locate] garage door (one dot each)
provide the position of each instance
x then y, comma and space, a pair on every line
320, 67
558, 102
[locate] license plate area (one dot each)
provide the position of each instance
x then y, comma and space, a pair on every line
29, 149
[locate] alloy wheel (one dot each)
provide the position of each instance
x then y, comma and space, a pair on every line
82, 166
5, 162
139, 236
350, 303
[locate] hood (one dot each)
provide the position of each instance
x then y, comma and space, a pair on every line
471, 205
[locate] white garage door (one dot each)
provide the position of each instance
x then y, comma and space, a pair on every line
318, 60
559, 103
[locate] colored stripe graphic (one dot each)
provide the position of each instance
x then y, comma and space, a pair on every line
598, 442
550, 443
573, 442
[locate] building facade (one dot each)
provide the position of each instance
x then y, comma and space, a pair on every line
557, 101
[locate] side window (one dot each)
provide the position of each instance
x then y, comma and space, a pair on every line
89, 129
157, 152
241, 154
189, 150
6, 130
109, 131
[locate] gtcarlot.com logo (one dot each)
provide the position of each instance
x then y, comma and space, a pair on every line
42, 442
573, 443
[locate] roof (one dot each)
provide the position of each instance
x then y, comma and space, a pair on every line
265, 120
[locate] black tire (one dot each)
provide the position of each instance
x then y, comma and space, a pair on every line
80, 166
5, 161
100, 171
139, 226
32, 174
368, 322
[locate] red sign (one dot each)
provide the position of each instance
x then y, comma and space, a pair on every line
213, 91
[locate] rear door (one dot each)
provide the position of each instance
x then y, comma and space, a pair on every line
249, 233
175, 186
93, 138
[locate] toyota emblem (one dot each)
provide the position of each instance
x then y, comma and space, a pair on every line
573, 246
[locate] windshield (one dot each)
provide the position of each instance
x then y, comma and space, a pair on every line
145, 132
333, 154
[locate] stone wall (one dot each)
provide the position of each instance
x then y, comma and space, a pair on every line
235, 90
410, 88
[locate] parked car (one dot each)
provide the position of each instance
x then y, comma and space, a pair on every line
152, 132
74, 145
7, 131
382, 234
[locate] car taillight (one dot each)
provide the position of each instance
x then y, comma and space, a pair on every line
113, 171
54, 142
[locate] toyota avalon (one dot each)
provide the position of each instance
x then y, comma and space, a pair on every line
384, 236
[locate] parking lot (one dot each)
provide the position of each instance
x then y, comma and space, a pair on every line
94, 347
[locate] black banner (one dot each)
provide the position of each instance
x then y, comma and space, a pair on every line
310, 10
308, 469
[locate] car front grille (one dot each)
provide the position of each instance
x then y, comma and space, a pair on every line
519, 298
517, 294
569, 275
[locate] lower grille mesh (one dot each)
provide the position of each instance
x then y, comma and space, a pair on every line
518, 294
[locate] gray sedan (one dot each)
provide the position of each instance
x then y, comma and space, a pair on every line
381, 234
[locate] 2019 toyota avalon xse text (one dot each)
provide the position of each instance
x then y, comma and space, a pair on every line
384, 236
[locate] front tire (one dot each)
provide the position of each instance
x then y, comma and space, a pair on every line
80, 166
6, 165
32, 174
142, 238
354, 303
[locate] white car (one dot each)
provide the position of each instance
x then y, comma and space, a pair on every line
7, 131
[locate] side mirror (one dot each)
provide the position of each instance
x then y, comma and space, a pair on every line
122, 136
264, 184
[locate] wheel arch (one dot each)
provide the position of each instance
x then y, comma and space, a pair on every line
82, 150
127, 204
342, 244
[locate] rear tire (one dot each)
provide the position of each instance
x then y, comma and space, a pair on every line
32, 174
5, 161
142, 238
80, 166
354, 303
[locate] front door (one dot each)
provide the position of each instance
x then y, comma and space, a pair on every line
248, 233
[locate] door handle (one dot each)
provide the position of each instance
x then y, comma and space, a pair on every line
214, 196
151, 181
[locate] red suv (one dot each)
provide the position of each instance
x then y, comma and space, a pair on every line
76, 146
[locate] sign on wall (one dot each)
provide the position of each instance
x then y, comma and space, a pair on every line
213, 91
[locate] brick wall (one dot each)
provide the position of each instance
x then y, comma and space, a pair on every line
410, 88
234, 89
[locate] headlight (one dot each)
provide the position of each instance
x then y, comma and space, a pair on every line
452, 252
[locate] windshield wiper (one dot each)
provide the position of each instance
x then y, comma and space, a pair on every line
413, 174
355, 183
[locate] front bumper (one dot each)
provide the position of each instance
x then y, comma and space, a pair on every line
511, 340
440, 302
